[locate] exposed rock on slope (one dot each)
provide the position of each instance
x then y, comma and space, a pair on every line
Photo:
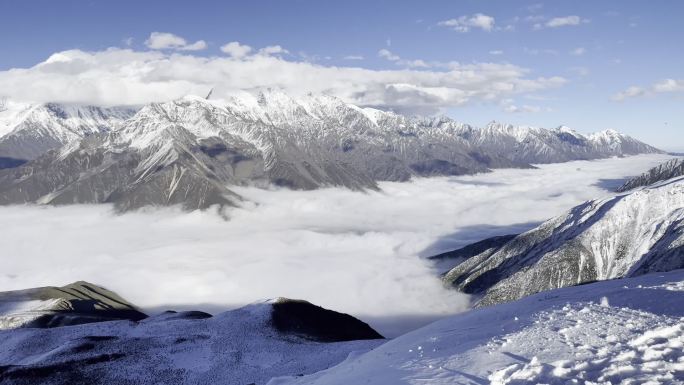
77, 303
243, 346
670, 169
28, 131
190, 151
314, 322
622, 236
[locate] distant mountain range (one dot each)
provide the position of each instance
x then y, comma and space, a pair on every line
190, 151
622, 236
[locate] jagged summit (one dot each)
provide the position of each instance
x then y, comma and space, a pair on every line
191, 150
29, 130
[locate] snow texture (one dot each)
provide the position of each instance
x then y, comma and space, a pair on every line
563, 336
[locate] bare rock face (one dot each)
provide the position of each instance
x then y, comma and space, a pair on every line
190, 151
78, 303
623, 236
318, 324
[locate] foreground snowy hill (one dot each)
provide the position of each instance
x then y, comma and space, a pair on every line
621, 236
189, 151
244, 346
668, 170
625, 331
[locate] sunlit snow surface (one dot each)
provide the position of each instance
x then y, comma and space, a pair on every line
628, 331
348, 251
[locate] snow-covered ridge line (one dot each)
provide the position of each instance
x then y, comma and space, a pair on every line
621, 236
271, 138
670, 169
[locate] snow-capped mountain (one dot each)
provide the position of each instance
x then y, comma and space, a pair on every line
626, 331
248, 345
29, 130
670, 169
189, 151
621, 236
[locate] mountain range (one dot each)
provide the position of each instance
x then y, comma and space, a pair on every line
190, 151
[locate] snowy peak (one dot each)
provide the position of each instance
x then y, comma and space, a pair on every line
191, 150
28, 131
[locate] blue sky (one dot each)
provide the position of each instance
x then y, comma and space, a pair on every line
574, 62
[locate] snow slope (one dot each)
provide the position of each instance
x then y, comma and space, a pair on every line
29, 130
620, 236
668, 170
244, 346
625, 331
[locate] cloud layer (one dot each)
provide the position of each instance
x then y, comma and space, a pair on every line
661, 87
165, 40
349, 251
124, 77
466, 23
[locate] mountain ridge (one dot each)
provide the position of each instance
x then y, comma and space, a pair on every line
625, 235
190, 151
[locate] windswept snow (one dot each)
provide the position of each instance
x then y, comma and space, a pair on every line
564, 336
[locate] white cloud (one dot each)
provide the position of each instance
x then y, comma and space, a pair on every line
466, 23
496, 52
669, 85
127, 77
348, 251
565, 21
165, 40
629, 93
522, 109
236, 50
663, 86
579, 51
196, 46
353, 57
387, 54
273, 50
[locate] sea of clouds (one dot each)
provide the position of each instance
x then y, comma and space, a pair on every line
357, 252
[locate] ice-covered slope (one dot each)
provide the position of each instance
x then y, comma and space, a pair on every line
244, 346
29, 130
621, 236
189, 151
670, 169
627, 331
